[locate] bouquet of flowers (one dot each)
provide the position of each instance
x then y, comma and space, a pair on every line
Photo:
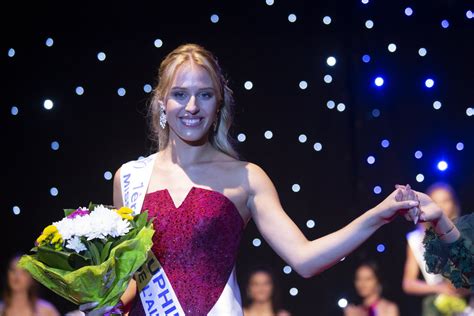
91, 254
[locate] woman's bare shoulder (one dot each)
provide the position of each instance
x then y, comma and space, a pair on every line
46, 308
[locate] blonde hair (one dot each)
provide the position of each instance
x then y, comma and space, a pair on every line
221, 139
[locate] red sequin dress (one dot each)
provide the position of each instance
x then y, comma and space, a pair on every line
196, 244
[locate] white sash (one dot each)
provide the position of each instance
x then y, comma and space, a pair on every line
157, 297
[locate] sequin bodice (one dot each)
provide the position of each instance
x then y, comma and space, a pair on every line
196, 244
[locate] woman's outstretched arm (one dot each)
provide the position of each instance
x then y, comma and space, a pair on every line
309, 258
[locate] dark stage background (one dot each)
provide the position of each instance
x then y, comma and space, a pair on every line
59, 157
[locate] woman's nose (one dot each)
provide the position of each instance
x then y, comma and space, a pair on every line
192, 106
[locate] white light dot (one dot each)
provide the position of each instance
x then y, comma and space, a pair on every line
293, 291
248, 85
342, 303
49, 42
408, 11
53, 191
158, 43
422, 52
371, 160
256, 242
54, 145
365, 1
420, 177
392, 48
375, 112
327, 20
380, 248
331, 61
14, 110
11, 52
48, 104
343, 258
241, 137
385, 143
377, 189
331, 104
369, 24
292, 18
341, 107
429, 83
445, 24
318, 146
79, 90
469, 14
214, 18
16, 210
269, 2
121, 92
147, 88
268, 134
459, 146
442, 165
327, 78
295, 187
418, 154
379, 81
437, 105
107, 175
303, 85
101, 56
287, 269
310, 223
302, 138
470, 111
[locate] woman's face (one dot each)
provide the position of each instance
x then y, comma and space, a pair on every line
18, 279
444, 199
191, 103
366, 282
260, 287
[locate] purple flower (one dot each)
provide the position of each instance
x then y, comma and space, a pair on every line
79, 212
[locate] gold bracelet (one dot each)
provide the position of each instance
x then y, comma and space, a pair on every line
449, 230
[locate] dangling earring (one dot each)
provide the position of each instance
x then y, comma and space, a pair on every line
162, 116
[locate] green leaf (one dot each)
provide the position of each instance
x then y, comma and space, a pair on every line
105, 251
68, 211
78, 261
141, 219
55, 259
95, 255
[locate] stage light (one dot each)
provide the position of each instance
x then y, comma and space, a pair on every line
420, 177
327, 20
365, 1
295, 187
147, 88
241, 137
11, 52
341, 107
392, 48
54, 145
385, 143
14, 110
79, 90
442, 165
292, 18
268, 134
343, 258
366, 58
377, 189
107, 175
49, 42
429, 83
121, 92
418, 154
437, 105
318, 146
101, 56
445, 24
214, 18
269, 2
422, 52
293, 291
379, 81
287, 269
459, 146
331, 61
256, 242
302, 138
369, 24
303, 85
48, 104
310, 223
158, 43
408, 11
248, 85
380, 248
331, 104
375, 113
371, 160
469, 14
53, 191
327, 78
16, 210
470, 111
342, 303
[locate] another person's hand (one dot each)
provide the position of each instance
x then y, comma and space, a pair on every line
394, 205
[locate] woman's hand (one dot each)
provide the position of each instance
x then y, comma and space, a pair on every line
394, 205
430, 211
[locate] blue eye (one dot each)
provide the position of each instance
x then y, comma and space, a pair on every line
179, 94
206, 95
